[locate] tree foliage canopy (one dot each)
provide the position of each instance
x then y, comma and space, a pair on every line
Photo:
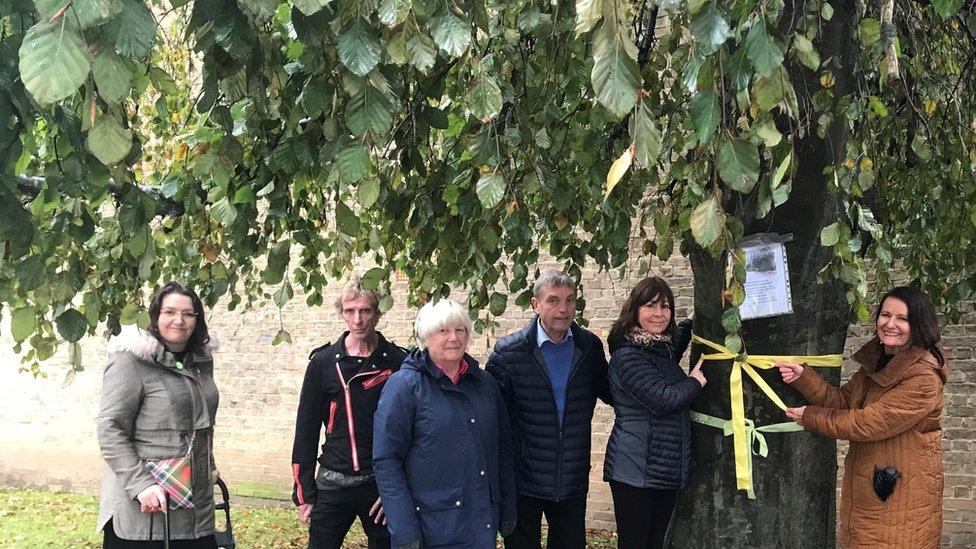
253, 147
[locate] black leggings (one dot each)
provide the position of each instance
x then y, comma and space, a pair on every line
113, 541
642, 514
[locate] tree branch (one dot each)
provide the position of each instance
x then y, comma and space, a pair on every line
30, 187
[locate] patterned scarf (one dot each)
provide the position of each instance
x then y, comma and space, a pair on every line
642, 337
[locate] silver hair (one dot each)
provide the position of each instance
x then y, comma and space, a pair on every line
439, 314
353, 289
550, 278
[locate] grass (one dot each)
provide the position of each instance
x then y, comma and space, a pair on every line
34, 518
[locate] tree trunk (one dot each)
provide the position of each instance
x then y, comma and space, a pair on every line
795, 485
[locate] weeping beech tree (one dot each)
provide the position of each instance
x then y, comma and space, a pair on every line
257, 146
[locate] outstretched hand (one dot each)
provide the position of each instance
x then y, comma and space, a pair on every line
790, 372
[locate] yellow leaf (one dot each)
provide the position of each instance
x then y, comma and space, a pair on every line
561, 220
866, 163
849, 164
928, 106
827, 79
619, 168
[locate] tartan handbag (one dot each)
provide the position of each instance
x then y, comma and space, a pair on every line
175, 477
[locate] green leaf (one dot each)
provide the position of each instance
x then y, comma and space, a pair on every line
647, 137
136, 30
781, 170
764, 51
359, 50
805, 52
733, 343
490, 189
130, 314
353, 162
707, 221
112, 77
346, 220
485, 99
23, 323
283, 294
274, 272
947, 8
368, 191
830, 235
869, 32
310, 7
826, 11
393, 12
588, 13
768, 91
731, 320
281, 337
263, 9
710, 30
497, 304
740, 70
90, 13
372, 278
422, 52
738, 164
616, 77
224, 212
72, 325
53, 62
369, 111
108, 140
704, 114
451, 33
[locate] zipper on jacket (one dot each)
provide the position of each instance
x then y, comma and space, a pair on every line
559, 424
350, 424
332, 411
378, 377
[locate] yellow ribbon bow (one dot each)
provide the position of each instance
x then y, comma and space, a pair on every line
744, 432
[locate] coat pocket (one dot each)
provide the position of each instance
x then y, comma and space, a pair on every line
440, 514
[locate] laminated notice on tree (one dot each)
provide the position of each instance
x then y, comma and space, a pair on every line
767, 286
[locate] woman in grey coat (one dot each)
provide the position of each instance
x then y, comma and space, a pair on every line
158, 395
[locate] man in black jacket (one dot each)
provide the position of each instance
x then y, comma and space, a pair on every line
551, 373
341, 391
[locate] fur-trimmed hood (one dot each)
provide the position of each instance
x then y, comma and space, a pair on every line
143, 345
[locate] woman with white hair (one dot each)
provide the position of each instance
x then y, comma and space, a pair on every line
442, 450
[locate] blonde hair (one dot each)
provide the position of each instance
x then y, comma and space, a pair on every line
438, 314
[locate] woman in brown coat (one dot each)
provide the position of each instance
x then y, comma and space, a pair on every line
891, 412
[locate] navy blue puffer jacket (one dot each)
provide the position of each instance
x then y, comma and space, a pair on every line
552, 461
650, 445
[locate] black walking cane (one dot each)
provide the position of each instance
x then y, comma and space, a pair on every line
165, 523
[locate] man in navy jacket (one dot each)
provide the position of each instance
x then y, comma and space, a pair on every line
551, 373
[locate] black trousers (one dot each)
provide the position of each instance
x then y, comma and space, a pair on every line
565, 518
112, 541
334, 512
642, 514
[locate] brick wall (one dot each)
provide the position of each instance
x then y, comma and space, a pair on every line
47, 434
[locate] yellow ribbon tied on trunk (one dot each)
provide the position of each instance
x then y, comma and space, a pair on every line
744, 433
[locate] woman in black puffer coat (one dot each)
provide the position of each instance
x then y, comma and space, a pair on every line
649, 452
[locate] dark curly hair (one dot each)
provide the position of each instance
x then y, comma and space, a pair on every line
200, 336
646, 291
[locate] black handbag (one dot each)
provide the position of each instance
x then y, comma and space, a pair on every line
225, 539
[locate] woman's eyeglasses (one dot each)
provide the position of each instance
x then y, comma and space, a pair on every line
173, 313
